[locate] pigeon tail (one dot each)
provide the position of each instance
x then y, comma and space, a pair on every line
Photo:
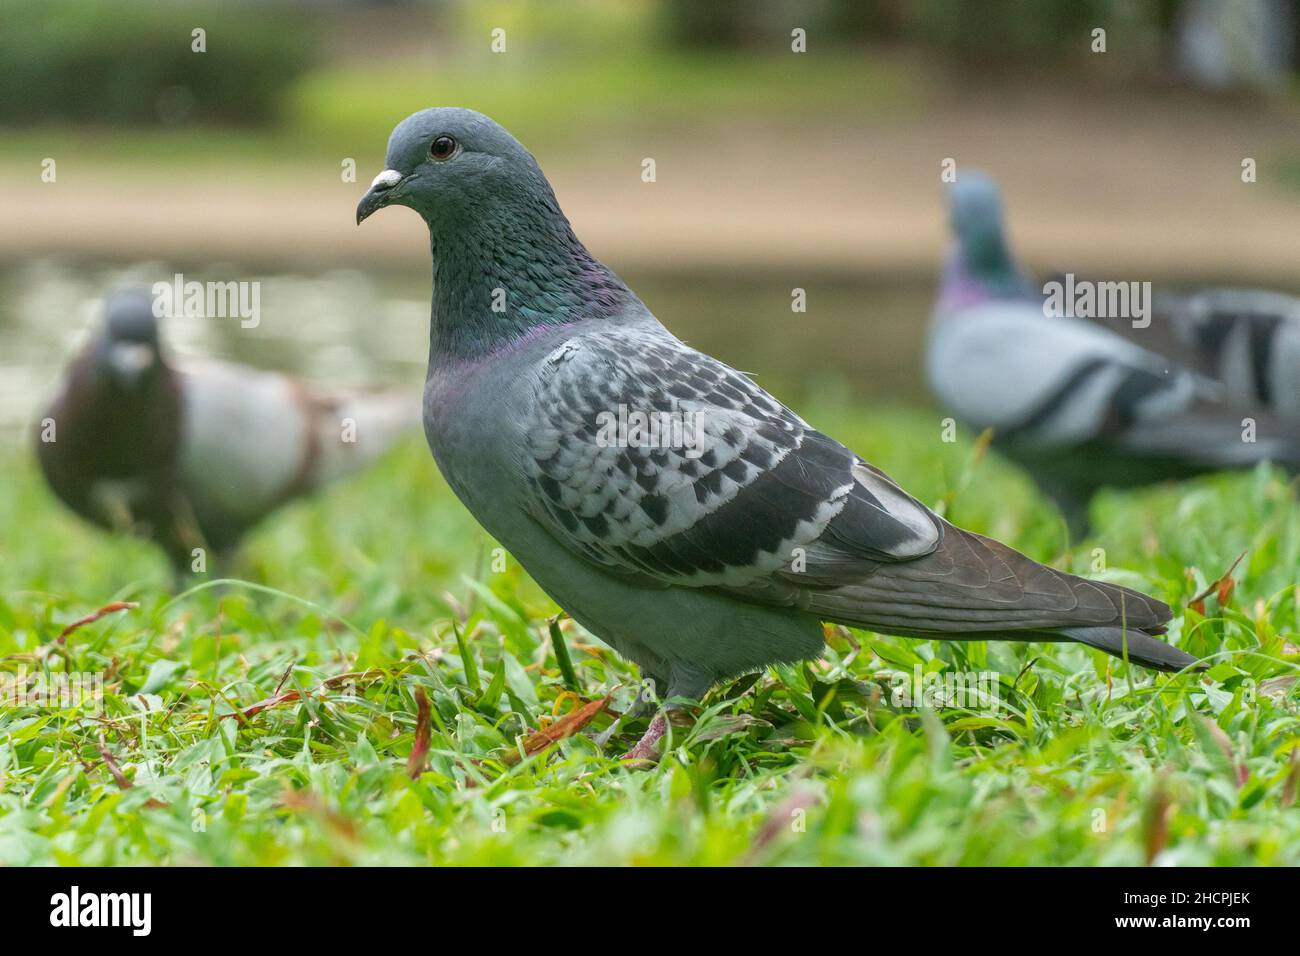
1141, 648
975, 588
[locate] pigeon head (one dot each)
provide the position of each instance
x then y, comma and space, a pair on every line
505, 259
975, 212
128, 352
451, 164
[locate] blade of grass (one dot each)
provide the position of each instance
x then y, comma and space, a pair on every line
562, 657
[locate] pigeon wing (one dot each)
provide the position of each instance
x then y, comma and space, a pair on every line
767, 508
654, 460
1247, 339
1060, 382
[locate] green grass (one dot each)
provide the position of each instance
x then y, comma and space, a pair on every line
1085, 761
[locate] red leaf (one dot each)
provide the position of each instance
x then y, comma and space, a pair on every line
566, 726
1223, 591
120, 778
1221, 588
290, 696
1156, 822
420, 751
253, 709
91, 618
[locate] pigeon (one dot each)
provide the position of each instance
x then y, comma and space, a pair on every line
192, 456
665, 501
1084, 403
1246, 339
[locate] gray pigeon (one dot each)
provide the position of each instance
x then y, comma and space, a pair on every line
193, 456
1085, 403
1246, 339
718, 542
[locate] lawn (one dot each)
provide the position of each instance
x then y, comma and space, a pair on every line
278, 720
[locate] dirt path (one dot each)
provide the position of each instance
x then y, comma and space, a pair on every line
1143, 187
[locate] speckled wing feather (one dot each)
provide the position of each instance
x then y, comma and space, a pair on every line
725, 501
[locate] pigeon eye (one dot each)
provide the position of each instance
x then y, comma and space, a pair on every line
442, 148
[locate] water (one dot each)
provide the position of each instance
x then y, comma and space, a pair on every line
353, 328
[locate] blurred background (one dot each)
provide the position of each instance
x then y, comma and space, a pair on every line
775, 169
128, 156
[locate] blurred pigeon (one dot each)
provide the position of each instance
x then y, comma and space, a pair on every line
1248, 340
193, 456
718, 543
1084, 403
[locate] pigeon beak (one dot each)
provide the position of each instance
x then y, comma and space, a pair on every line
379, 195
129, 361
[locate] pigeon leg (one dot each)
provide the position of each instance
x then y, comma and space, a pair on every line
644, 753
689, 685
